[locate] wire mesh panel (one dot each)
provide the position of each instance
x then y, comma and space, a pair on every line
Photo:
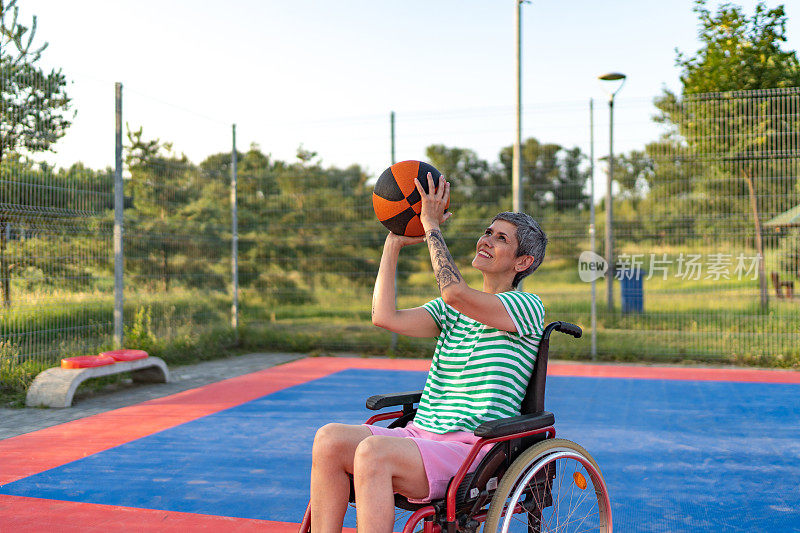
309, 246
686, 201
310, 243
55, 242
177, 249
697, 210
55, 225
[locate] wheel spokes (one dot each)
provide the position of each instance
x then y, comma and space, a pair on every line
568, 504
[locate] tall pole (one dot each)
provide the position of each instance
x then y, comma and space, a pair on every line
393, 345
119, 205
620, 78
234, 238
610, 208
392, 135
592, 226
516, 164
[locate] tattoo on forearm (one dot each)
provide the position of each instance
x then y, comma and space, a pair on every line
444, 268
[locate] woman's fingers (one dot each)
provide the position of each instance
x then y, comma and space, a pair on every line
441, 192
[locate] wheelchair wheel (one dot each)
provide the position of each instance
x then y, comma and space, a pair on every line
555, 485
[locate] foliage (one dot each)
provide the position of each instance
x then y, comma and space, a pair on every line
43, 209
738, 52
176, 225
789, 254
33, 112
35, 105
551, 175
732, 145
139, 332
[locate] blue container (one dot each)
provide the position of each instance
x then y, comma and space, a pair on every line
631, 289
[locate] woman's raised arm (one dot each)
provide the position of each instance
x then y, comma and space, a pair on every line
416, 322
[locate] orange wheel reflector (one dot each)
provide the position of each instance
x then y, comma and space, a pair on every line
580, 481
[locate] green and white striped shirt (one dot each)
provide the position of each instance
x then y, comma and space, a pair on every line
479, 373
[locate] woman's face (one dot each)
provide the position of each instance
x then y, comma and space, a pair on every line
497, 248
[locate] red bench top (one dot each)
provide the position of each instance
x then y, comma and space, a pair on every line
87, 361
126, 355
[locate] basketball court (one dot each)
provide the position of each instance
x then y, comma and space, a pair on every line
681, 449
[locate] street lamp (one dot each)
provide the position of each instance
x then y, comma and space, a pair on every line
516, 163
615, 81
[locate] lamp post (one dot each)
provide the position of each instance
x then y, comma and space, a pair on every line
618, 80
592, 228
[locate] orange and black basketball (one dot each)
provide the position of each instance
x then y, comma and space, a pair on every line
396, 199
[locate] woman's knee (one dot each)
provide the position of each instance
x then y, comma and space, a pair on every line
336, 441
328, 438
371, 457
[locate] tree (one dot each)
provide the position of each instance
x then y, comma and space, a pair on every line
474, 180
633, 173
540, 166
177, 223
551, 175
738, 53
570, 182
33, 107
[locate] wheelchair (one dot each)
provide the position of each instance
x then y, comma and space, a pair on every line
530, 481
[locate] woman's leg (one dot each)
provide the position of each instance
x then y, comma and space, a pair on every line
384, 465
332, 459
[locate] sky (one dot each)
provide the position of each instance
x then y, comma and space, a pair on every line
327, 74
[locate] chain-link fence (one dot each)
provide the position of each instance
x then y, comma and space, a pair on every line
705, 232
705, 212
57, 244
54, 259
177, 250
693, 280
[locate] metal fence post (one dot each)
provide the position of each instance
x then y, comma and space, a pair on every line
393, 342
234, 240
118, 228
610, 209
516, 165
592, 227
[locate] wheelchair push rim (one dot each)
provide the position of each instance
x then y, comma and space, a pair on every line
555, 486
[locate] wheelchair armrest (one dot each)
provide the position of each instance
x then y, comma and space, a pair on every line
514, 424
379, 401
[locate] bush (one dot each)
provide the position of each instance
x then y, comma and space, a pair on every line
789, 254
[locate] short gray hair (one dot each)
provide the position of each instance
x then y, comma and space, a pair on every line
532, 240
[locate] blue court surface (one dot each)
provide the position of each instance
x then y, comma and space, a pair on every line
677, 455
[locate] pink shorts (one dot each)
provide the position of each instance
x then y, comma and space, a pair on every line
442, 454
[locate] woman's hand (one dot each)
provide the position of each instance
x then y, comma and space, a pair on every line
403, 240
434, 202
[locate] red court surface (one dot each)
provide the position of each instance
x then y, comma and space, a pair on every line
42, 450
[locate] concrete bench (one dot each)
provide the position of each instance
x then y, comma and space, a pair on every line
55, 387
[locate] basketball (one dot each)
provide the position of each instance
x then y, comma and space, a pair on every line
396, 200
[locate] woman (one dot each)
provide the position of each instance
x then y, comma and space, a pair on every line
486, 348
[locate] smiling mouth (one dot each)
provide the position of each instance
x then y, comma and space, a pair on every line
482, 253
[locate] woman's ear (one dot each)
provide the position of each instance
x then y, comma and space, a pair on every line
523, 263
